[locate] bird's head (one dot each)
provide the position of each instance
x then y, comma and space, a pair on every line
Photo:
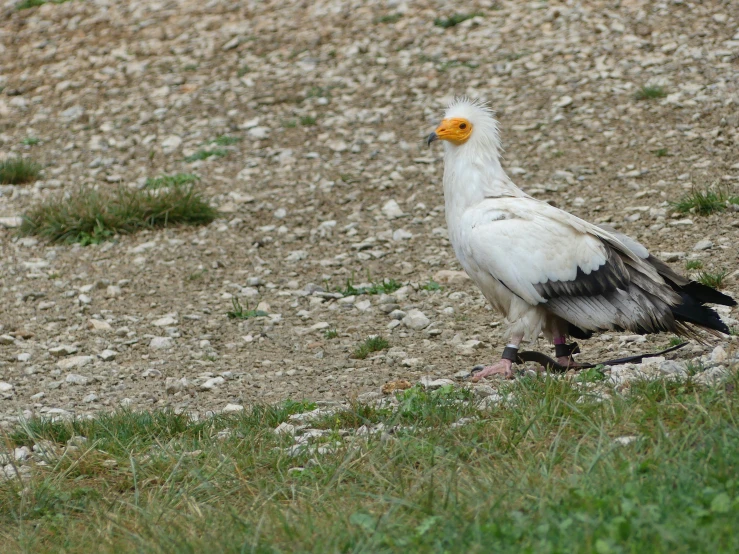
467, 122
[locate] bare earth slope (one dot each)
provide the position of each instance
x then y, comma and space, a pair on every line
332, 100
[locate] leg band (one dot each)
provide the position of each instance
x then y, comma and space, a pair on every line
510, 353
566, 349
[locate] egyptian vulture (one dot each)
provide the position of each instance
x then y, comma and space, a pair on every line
546, 270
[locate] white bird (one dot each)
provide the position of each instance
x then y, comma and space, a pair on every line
544, 269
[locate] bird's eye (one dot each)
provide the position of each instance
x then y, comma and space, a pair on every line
462, 125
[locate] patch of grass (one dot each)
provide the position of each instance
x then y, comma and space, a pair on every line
370, 344
289, 123
388, 286
674, 341
713, 280
660, 152
176, 180
591, 375
390, 18
243, 70
307, 120
331, 334
650, 93
542, 472
239, 312
454, 20
444, 66
190, 67
225, 140
25, 4
30, 141
431, 286
693, 264
197, 275
704, 202
16, 171
89, 216
205, 154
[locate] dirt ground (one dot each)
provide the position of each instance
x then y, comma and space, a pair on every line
331, 181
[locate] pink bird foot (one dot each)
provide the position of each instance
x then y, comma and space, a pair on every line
503, 368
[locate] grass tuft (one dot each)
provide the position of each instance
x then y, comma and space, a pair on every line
30, 141
176, 180
390, 18
331, 334
431, 286
239, 312
307, 120
454, 20
691, 265
713, 280
16, 171
704, 202
660, 152
205, 154
225, 140
371, 344
90, 216
650, 93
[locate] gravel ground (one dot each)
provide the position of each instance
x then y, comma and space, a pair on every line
331, 180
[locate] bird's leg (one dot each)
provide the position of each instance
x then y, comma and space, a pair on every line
502, 367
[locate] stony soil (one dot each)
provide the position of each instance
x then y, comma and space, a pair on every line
118, 91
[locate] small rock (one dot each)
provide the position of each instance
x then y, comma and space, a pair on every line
230, 408
171, 143
108, 355
393, 386
113, 291
718, 355
285, 428
172, 385
99, 325
433, 384
76, 379
391, 210
625, 440
24, 357
416, 319
161, 343
92, 397
63, 350
449, 277
212, 383
5, 387
75, 362
703, 245
166, 321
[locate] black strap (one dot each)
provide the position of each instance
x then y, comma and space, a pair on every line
510, 353
566, 349
552, 365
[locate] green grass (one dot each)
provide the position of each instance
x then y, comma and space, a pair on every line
289, 123
30, 141
431, 286
704, 202
176, 180
16, 171
243, 70
660, 152
205, 154
225, 140
454, 20
693, 264
390, 18
307, 120
542, 473
331, 334
650, 93
368, 346
91, 216
387, 286
713, 280
239, 312
25, 4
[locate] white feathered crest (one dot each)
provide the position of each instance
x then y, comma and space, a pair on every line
485, 136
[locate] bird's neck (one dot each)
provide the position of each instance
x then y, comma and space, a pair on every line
472, 176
